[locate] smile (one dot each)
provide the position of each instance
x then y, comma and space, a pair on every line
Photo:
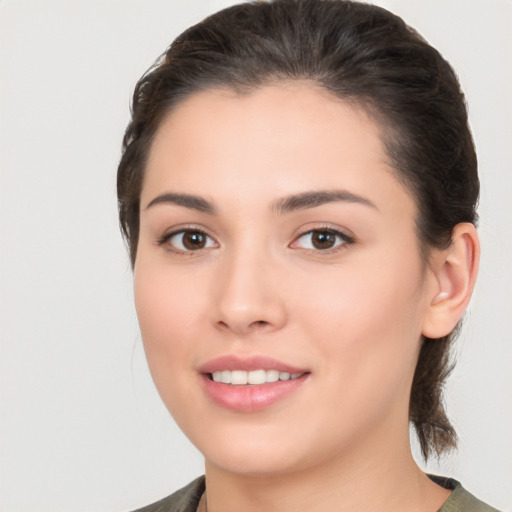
250, 383
254, 377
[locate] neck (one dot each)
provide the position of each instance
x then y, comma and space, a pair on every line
384, 479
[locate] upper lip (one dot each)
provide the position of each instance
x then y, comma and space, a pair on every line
247, 363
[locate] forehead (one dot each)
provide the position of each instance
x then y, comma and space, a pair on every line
286, 137
288, 112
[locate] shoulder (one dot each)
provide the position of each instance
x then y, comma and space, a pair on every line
183, 500
460, 500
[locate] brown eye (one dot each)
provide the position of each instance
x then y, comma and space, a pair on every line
189, 240
322, 239
194, 240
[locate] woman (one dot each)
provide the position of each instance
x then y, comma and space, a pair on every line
298, 190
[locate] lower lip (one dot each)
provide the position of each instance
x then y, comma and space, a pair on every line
250, 398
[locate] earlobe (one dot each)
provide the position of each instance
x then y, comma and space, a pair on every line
453, 275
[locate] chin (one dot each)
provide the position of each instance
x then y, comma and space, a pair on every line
252, 465
264, 451
255, 451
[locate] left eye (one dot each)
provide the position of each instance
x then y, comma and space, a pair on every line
321, 239
189, 240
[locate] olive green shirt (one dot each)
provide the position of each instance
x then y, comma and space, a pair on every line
187, 498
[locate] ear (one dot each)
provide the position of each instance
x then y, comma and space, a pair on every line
452, 276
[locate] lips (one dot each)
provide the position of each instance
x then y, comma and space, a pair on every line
248, 364
250, 384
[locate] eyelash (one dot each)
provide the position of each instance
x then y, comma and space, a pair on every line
342, 240
165, 239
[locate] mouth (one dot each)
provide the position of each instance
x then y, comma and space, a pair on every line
252, 377
250, 384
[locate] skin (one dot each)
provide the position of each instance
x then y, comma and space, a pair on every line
352, 315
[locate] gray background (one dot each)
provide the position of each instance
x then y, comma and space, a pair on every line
82, 427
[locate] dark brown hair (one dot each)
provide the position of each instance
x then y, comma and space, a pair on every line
359, 53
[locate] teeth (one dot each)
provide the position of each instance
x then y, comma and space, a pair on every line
238, 377
257, 377
241, 377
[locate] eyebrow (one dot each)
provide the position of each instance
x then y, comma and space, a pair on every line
302, 201
186, 200
313, 199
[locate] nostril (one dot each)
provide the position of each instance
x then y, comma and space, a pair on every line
259, 323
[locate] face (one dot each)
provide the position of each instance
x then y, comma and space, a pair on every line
278, 280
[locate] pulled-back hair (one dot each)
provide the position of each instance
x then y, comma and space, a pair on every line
364, 55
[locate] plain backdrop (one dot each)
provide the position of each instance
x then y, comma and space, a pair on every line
82, 427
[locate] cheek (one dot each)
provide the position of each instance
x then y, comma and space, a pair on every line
368, 319
167, 317
168, 301
155, 309
360, 298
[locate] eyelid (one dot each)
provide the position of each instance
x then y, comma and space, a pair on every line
170, 233
347, 239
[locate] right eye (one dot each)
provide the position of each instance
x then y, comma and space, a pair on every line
188, 240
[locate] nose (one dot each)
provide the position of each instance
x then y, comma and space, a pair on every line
249, 296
